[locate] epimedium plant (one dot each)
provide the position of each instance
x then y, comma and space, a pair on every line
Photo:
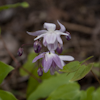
53, 41
61, 85
58, 83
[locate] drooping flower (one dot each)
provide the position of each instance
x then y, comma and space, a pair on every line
59, 49
40, 71
68, 37
51, 37
37, 46
52, 61
20, 51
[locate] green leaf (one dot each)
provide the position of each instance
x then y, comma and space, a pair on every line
66, 92
96, 94
49, 85
31, 87
89, 92
86, 59
83, 95
81, 72
71, 67
4, 70
23, 4
97, 64
28, 65
4, 95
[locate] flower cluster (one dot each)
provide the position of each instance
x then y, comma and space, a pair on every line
51, 40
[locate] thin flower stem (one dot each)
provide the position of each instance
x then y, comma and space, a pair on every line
95, 77
17, 62
26, 45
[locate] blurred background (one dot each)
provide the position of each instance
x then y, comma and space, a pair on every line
80, 17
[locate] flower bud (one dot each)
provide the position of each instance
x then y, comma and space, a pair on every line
68, 37
40, 71
59, 49
20, 51
37, 46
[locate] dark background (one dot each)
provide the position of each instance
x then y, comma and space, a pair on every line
80, 17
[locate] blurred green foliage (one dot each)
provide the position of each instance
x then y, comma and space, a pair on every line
4, 70
81, 72
71, 67
28, 65
61, 86
23, 4
4, 95
49, 85
68, 91
33, 83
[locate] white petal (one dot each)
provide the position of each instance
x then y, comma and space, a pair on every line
50, 26
62, 62
37, 32
62, 27
59, 39
39, 36
66, 58
50, 38
44, 41
63, 33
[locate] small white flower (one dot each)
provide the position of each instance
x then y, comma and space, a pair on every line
51, 37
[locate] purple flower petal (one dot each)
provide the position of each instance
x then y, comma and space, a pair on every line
62, 27
66, 58
59, 39
59, 49
52, 70
38, 57
57, 60
50, 26
53, 64
37, 32
47, 63
44, 42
